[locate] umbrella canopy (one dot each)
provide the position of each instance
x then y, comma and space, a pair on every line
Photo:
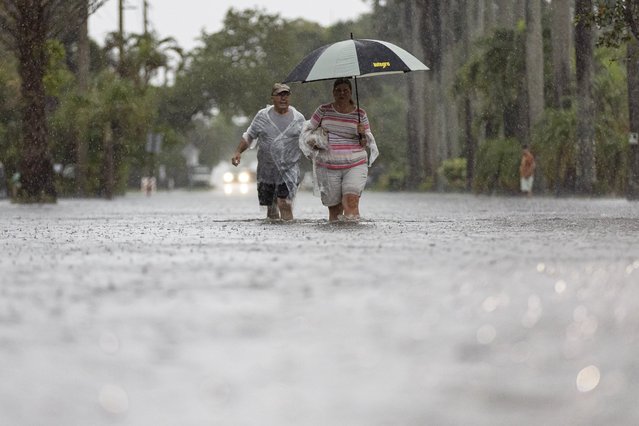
354, 58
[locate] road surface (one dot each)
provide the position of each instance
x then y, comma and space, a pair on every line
187, 308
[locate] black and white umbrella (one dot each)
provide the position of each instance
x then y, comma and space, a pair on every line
354, 58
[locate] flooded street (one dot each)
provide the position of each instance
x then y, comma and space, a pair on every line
187, 308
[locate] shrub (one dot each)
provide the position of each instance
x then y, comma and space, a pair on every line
554, 149
453, 174
497, 168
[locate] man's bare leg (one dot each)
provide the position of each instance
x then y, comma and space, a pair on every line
272, 211
286, 208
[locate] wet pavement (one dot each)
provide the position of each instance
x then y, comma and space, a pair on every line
187, 308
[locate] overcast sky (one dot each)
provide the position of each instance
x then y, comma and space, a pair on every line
185, 19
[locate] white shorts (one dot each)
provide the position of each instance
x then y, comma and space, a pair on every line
334, 184
526, 184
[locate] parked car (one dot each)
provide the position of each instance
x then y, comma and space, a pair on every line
200, 176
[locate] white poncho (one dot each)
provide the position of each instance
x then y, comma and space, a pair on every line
278, 152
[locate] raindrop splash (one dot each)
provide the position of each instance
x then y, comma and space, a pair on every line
486, 334
560, 286
588, 378
113, 399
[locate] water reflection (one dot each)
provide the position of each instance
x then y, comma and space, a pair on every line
532, 315
235, 188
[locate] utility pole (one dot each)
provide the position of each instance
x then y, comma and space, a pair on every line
121, 37
145, 14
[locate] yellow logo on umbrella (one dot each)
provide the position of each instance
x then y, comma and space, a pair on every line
382, 65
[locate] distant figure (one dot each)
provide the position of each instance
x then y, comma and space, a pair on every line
527, 171
15, 184
277, 129
148, 185
342, 168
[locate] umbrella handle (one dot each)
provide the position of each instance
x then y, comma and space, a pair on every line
359, 119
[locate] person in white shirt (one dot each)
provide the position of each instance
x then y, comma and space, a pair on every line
277, 129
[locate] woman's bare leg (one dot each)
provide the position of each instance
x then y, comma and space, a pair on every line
334, 212
351, 206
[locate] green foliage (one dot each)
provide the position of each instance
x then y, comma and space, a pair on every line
386, 111
554, 146
393, 179
57, 78
9, 112
612, 157
237, 66
114, 102
497, 167
610, 92
554, 149
618, 21
129, 112
555, 138
215, 138
144, 56
494, 72
453, 172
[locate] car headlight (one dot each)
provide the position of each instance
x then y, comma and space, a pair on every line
227, 177
243, 177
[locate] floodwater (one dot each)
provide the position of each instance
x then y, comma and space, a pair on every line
187, 308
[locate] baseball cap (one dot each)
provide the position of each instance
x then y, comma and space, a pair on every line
279, 88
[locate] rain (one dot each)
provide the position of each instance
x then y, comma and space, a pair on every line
486, 275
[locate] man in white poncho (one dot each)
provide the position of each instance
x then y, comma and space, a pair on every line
276, 129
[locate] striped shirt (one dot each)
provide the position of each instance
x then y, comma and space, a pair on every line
344, 149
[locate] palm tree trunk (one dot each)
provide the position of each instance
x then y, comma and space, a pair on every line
470, 146
109, 163
633, 109
584, 48
415, 121
534, 63
83, 85
505, 14
431, 40
560, 39
35, 160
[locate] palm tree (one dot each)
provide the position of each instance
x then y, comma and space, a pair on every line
143, 56
28, 24
584, 54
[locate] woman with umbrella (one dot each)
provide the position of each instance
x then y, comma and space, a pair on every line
342, 168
